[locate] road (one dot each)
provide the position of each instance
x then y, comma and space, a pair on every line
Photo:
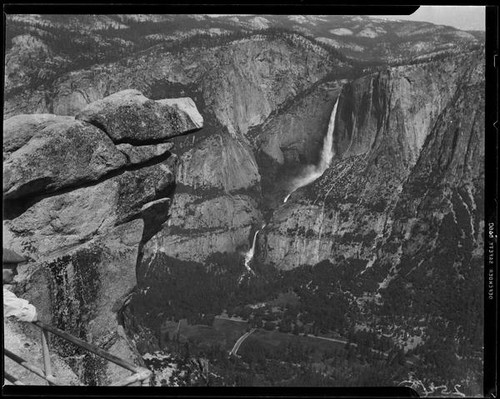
238, 320
328, 339
386, 355
240, 340
353, 344
245, 336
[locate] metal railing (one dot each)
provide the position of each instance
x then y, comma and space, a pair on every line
140, 374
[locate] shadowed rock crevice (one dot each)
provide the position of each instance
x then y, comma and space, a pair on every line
140, 142
14, 208
101, 126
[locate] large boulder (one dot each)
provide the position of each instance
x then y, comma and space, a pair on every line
60, 153
19, 129
128, 116
60, 222
46, 153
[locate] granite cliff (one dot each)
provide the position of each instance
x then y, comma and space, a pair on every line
236, 85
400, 209
78, 202
383, 129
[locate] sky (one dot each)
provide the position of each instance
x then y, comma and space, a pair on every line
461, 17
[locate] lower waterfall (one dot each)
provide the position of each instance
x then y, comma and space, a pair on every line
251, 252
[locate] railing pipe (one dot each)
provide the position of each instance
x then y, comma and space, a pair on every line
39, 372
90, 347
46, 354
127, 381
142, 376
12, 379
140, 373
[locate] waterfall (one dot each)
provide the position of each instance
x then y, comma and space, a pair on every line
312, 172
249, 255
251, 252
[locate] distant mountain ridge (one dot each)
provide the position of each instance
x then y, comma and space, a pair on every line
68, 42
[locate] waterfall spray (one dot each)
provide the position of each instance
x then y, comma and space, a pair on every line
312, 172
251, 252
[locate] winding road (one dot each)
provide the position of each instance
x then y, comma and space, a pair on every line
240, 340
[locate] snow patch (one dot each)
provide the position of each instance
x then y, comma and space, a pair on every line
259, 23
298, 18
341, 32
367, 33
197, 17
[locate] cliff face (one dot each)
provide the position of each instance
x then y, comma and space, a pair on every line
241, 83
215, 204
80, 212
400, 210
383, 131
238, 85
255, 76
292, 137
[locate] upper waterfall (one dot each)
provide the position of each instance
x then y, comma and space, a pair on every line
312, 172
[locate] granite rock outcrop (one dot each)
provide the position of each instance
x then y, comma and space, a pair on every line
77, 204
